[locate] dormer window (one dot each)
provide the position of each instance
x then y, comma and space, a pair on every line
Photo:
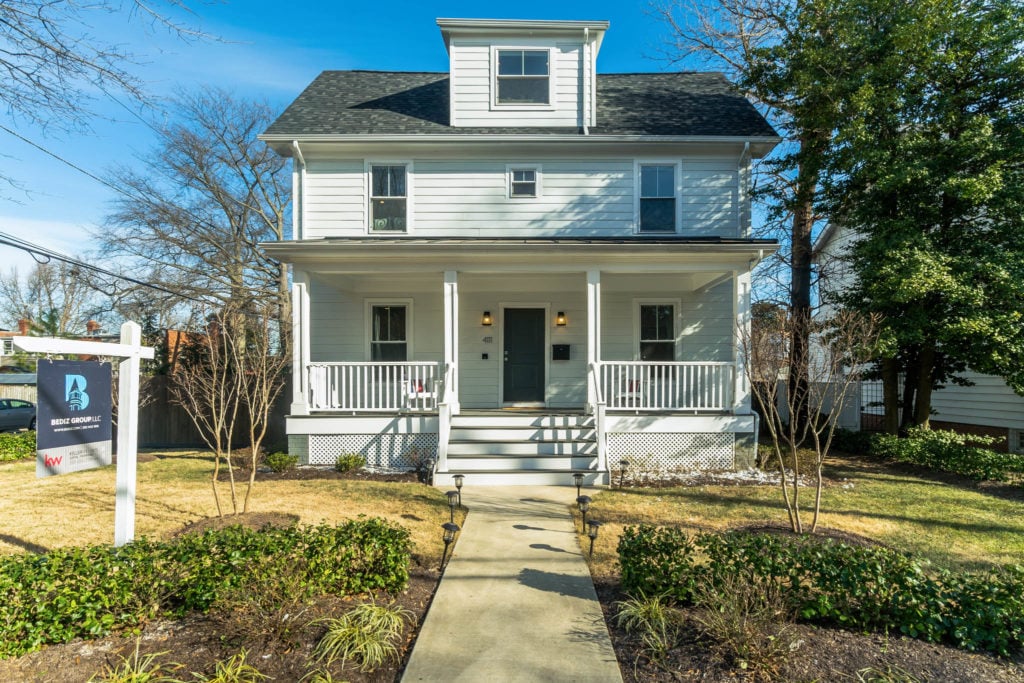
523, 77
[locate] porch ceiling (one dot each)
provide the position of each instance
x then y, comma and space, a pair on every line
411, 255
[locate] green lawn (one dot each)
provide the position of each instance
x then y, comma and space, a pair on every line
954, 526
175, 488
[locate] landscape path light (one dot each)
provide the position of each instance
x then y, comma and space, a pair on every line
459, 479
577, 478
623, 465
592, 527
584, 503
453, 501
450, 529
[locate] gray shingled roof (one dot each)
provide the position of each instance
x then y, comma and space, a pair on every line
414, 103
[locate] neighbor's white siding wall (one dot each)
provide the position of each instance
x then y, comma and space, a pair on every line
471, 78
469, 198
989, 402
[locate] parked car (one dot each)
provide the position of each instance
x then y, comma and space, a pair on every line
17, 414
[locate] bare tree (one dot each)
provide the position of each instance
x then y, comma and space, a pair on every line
834, 364
55, 298
193, 217
228, 377
205, 383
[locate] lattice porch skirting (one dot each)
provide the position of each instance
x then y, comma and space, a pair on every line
392, 451
665, 452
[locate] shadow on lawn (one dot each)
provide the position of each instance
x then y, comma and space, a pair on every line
28, 546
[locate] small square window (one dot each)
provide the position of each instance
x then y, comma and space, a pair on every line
1017, 441
522, 182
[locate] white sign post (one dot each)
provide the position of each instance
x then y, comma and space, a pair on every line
133, 352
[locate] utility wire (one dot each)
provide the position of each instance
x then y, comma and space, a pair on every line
35, 249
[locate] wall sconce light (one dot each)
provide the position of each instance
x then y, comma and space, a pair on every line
487, 320
560, 319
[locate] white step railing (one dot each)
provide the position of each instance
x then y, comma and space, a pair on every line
639, 385
374, 386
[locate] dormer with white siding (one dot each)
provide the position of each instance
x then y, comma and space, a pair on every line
522, 73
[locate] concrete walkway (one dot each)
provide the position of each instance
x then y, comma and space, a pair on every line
516, 602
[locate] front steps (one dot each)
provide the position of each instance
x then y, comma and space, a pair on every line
509, 449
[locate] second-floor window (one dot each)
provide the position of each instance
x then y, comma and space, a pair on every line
523, 77
657, 198
388, 200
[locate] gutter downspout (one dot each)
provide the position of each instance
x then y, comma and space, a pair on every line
299, 195
585, 74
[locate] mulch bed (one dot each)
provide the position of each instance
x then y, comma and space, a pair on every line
319, 472
822, 654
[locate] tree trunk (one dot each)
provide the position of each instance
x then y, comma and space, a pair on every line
891, 395
913, 370
800, 286
923, 402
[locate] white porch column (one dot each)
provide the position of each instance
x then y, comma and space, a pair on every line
741, 314
593, 330
300, 343
451, 335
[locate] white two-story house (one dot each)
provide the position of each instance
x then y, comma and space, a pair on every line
521, 268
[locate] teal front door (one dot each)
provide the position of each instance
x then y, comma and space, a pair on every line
523, 367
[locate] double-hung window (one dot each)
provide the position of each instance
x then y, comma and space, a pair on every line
657, 332
523, 181
388, 198
388, 333
657, 198
523, 77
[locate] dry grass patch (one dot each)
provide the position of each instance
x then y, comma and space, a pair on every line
174, 489
955, 526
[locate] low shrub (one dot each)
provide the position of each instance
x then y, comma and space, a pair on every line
949, 451
281, 462
88, 592
827, 582
347, 462
17, 446
850, 441
367, 634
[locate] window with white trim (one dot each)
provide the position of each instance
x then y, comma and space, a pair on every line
657, 332
388, 198
6, 347
523, 181
389, 333
657, 198
1017, 441
523, 77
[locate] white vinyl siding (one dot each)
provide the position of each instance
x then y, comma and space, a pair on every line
470, 198
474, 102
989, 402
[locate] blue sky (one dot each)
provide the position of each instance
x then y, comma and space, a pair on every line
268, 50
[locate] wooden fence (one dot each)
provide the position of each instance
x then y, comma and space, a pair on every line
165, 424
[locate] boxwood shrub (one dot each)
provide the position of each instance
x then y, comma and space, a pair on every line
88, 592
17, 445
862, 588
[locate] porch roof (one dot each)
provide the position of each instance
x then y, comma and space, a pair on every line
625, 254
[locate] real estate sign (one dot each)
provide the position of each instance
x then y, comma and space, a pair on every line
72, 416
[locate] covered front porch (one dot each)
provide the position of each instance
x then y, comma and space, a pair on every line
629, 339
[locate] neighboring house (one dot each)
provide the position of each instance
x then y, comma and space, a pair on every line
989, 407
521, 267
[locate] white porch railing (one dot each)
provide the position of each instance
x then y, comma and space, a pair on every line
639, 385
373, 386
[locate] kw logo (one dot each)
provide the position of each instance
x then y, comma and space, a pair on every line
52, 461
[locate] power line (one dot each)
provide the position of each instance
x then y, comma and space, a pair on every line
36, 249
